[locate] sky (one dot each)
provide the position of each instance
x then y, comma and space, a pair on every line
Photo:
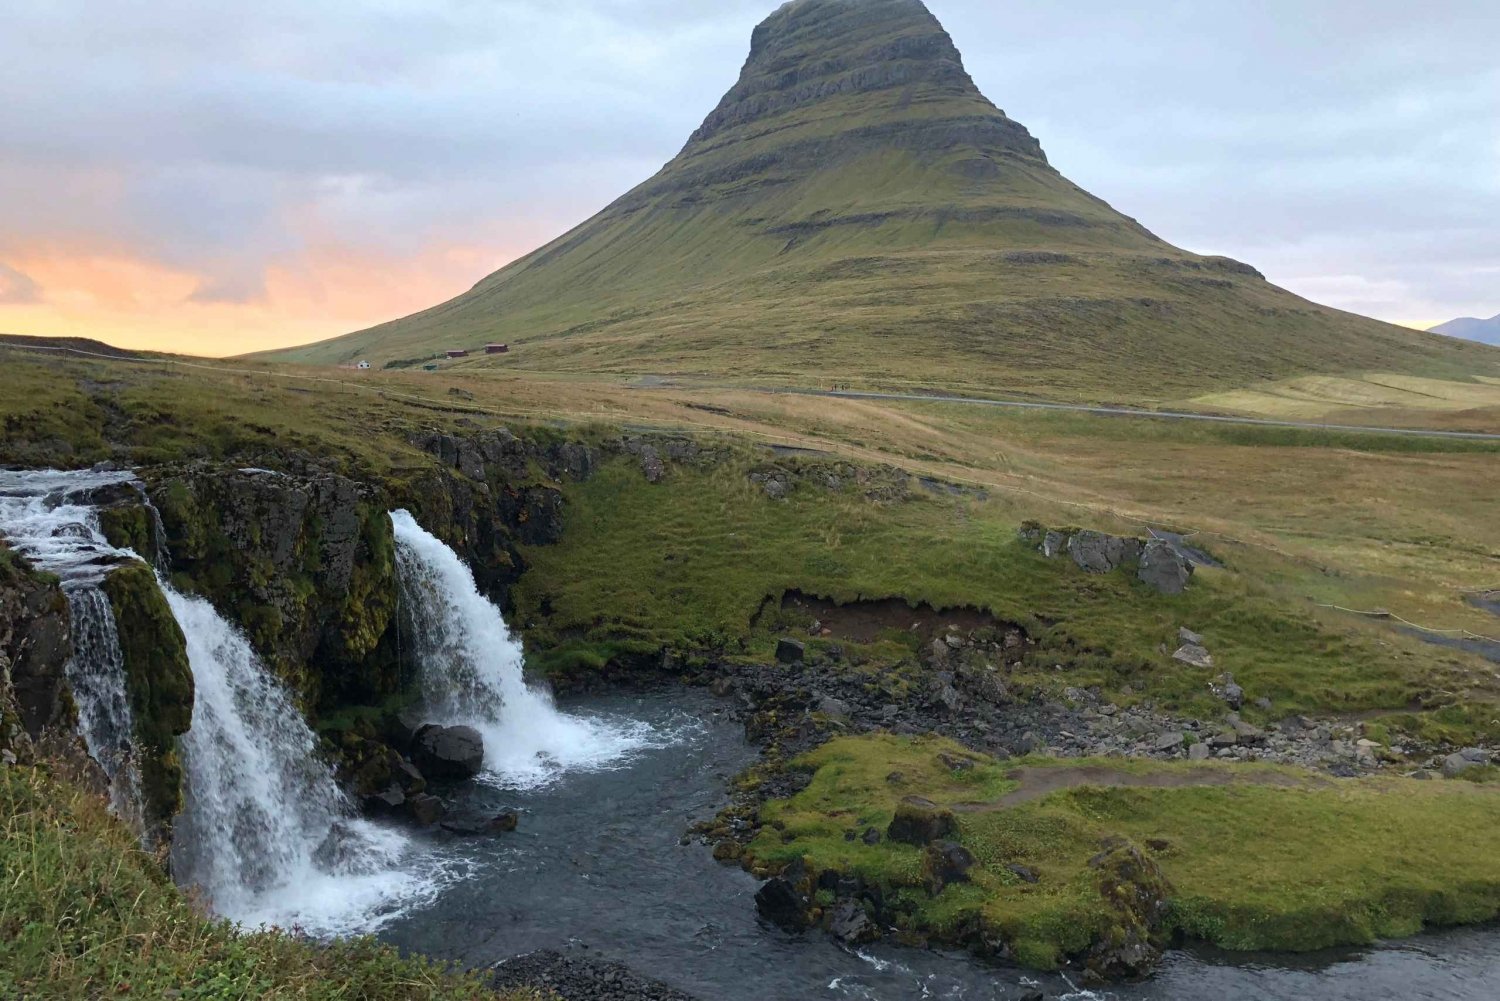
215, 178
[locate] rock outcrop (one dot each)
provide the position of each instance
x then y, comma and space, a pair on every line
448, 752
159, 683
1156, 562
35, 644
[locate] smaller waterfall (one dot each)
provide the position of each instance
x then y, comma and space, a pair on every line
49, 517
266, 833
470, 669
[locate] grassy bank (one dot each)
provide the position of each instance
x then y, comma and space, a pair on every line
1257, 857
84, 914
691, 562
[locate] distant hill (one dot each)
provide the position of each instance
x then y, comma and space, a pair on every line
855, 208
1469, 328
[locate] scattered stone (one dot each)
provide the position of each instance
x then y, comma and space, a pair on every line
1264, 704
552, 974
920, 821
426, 809
1194, 656
871, 836
1098, 553
1199, 752
944, 863
503, 823
1187, 637
1024, 873
1456, 764
449, 752
1169, 742
651, 465
956, 762
1164, 569
790, 651
386, 802
849, 923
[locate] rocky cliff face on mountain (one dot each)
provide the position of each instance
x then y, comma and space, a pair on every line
855, 207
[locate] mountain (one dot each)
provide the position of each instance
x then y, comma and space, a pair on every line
1483, 331
855, 208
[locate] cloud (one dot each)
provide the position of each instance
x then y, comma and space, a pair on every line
16, 288
1347, 150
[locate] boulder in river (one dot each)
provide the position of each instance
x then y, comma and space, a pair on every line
449, 752
780, 903
426, 809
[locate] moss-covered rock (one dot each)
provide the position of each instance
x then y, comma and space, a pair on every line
35, 644
1137, 898
159, 682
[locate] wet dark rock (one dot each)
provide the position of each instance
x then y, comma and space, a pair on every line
790, 651
871, 836
386, 802
449, 752
779, 903
849, 923
573, 978
1024, 873
920, 821
476, 827
426, 809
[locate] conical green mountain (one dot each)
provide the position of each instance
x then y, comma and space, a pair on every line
855, 209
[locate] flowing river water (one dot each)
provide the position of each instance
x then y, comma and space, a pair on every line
597, 865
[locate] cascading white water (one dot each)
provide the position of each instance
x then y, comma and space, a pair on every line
267, 834
48, 516
470, 670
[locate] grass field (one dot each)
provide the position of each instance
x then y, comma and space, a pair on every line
1349, 862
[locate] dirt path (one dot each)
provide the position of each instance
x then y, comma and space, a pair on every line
1039, 782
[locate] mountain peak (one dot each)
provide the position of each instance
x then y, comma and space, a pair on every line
850, 53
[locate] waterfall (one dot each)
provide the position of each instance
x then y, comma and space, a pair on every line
49, 517
470, 672
266, 833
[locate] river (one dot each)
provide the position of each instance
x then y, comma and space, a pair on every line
597, 866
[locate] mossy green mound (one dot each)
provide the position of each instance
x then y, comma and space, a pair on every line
159, 682
85, 914
1253, 857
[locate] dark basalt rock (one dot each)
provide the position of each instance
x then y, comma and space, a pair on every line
449, 752
35, 645
920, 821
570, 978
779, 903
790, 651
944, 863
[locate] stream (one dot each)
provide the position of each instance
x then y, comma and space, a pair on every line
597, 866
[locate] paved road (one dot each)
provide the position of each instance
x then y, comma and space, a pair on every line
1170, 415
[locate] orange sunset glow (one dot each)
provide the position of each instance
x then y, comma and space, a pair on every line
330, 290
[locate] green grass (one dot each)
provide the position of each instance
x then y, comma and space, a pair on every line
84, 914
687, 564
1274, 860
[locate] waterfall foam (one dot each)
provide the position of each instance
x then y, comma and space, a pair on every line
267, 834
51, 519
470, 671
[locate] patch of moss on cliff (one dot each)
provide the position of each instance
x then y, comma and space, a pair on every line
159, 682
129, 527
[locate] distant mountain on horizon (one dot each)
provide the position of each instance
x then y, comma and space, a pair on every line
1472, 329
855, 209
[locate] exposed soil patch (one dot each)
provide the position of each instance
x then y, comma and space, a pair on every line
1039, 782
864, 621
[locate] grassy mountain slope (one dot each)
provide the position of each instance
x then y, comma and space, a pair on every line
855, 209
